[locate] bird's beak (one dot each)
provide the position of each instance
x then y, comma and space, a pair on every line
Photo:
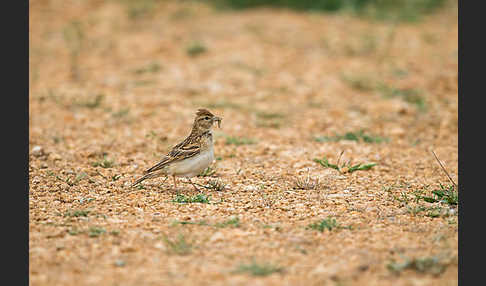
218, 119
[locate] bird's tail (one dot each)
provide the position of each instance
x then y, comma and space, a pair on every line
148, 176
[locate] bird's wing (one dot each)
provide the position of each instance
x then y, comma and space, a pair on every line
176, 154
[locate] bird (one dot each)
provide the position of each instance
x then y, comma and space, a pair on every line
191, 156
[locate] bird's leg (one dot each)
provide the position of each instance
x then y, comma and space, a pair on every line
196, 188
175, 181
166, 178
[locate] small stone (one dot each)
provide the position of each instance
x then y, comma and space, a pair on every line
250, 188
217, 237
37, 151
54, 157
120, 263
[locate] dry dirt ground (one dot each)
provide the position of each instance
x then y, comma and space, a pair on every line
113, 85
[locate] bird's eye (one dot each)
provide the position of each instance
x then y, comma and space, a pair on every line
206, 118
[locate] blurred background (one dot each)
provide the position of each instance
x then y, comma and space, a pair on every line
265, 64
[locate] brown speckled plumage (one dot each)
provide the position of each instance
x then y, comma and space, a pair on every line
197, 142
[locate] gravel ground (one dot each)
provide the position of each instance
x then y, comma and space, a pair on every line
114, 85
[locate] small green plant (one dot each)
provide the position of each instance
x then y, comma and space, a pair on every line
249, 68
182, 14
104, 163
178, 246
259, 269
115, 232
445, 194
269, 123
435, 212
231, 140
151, 135
95, 231
151, 68
430, 265
359, 82
138, 9
360, 167
346, 167
74, 231
215, 185
144, 82
397, 10
91, 103
412, 96
199, 198
325, 163
195, 49
352, 136
234, 222
432, 212
269, 115
76, 213
75, 181
414, 210
269, 119
189, 222
328, 223
121, 113
115, 177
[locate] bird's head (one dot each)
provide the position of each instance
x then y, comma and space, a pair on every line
205, 119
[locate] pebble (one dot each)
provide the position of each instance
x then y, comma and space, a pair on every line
37, 151
250, 188
54, 157
216, 237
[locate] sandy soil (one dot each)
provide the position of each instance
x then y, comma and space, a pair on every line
113, 86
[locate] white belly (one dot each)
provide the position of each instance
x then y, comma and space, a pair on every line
193, 166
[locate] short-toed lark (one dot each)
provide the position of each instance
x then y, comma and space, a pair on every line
191, 156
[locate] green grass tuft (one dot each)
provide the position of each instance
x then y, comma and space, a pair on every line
216, 185
257, 269
360, 83
96, 231
396, 10
104, 163
203, 222
346, 167
183, 199
91, 103
410, 95
445, 194
230, 140
352, 136
75, 181
429, 265
76, 213
234, 222
178, 246
138, 9
153, 67
328, 223
195, 49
